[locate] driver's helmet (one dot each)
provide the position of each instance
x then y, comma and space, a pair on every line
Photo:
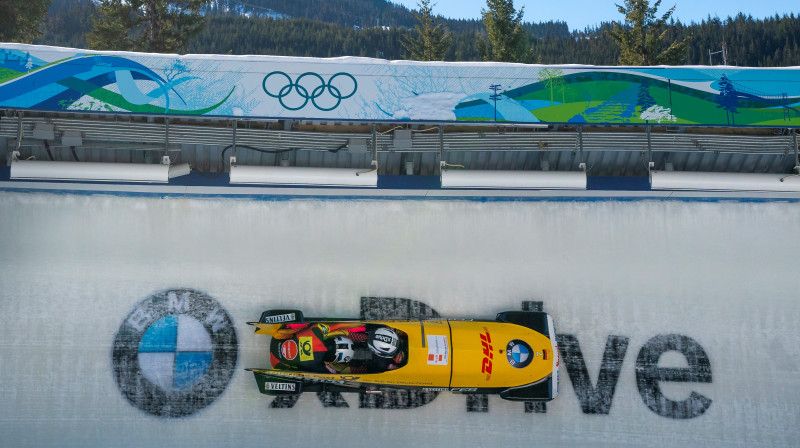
384, 342
344, 349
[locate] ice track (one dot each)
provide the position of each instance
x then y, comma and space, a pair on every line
708, 289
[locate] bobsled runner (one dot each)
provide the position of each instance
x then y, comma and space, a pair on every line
515, 355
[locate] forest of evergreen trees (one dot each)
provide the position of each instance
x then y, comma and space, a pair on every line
324, 28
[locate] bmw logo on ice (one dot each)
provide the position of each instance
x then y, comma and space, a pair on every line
175, 353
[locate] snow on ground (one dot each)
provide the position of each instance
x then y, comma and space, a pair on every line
74, 268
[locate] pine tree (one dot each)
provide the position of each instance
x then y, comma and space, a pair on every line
507, 41
66, 23
434, 39
20, 19
641, 39
146, 25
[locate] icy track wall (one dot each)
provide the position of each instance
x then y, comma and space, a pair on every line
43, 78
122, 320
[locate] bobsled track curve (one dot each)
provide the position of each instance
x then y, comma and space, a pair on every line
123, 319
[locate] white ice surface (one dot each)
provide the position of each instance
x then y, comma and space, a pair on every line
157, 368
192, 337
725, 274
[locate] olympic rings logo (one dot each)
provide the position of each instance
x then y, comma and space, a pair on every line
313, 83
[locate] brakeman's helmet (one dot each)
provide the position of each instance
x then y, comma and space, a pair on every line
384, 342
344, 349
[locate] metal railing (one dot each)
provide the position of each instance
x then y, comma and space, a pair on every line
152, 135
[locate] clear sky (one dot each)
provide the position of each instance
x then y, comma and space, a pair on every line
582, 13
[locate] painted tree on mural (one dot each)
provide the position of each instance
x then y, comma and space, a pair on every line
553, 77
644, 99
727, 99
161, 26
642, 36
506, 37
20, 19
434, 38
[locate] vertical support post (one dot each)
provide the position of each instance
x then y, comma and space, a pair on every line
19, 130
374, 147
166, 136
649, 148
233, 148
796, 158
441, 143
581, 162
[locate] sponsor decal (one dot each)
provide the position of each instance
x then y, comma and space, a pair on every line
324, 328
175, 353
519, 354
306, 349
437, 350
324, 380
281, 386
450, 389
289, 349
486, 341
279, 318
596, 398
384, 338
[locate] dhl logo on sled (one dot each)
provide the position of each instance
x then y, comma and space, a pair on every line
515, 355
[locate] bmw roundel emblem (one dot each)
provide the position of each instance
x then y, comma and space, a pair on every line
175, 353
518, 353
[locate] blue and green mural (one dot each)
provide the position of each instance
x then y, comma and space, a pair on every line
60, 79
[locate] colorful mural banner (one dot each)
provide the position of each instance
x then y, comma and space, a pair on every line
41, 78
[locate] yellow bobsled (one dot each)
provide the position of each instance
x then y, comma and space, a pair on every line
515, 355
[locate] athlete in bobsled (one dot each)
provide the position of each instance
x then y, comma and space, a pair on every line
386, 344
337, 348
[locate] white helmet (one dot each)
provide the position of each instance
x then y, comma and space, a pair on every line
344, 349
384, 342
